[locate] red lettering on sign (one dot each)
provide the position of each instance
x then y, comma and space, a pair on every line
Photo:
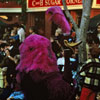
9, 5
98, 2
49, 3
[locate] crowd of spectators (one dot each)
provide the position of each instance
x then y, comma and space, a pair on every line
93, 56
9, 58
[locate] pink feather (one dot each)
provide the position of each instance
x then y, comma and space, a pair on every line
36, 53
59, 19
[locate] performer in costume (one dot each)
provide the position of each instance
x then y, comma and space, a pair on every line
56, 15
38, 73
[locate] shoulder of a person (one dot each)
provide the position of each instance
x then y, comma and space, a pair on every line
88, 61
21, 29
92, 60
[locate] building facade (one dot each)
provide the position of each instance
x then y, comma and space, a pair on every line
36, 13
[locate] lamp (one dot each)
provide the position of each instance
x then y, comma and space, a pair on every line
4, 17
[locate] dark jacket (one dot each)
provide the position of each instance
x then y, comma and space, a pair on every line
91, 73
37, 85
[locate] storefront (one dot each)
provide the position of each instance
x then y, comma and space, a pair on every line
74, 6
36, 12
40, 6
10, 9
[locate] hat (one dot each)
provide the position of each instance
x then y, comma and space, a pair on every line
36, 54
16, 25
16, 37
58, 17
3, 45
71, 44
58, 30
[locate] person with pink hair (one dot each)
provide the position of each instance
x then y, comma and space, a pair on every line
38, 73
57, 16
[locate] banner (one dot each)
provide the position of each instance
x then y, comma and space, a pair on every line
43, 5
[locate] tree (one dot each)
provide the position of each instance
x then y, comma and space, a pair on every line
82, 29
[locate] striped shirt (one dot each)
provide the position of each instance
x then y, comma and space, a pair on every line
91, 72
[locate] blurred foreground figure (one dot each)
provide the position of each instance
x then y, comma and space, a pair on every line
56, 15
38, 73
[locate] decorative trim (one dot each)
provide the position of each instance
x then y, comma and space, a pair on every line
36, 9
10, 10
39, 9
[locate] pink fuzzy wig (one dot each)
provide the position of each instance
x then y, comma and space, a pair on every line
36, 53
59, 19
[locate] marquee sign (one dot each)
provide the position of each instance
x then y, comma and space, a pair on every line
42, 5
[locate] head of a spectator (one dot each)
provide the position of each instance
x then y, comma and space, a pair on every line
17, 59
3, 46
89, 37
33, 30
41, 31
98, 28
52, 39
98, 96
62, 54
94, 52
92, 39
20, 26
77, 97
7, 29
15, 26
13, 32
13, 37
58, 32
